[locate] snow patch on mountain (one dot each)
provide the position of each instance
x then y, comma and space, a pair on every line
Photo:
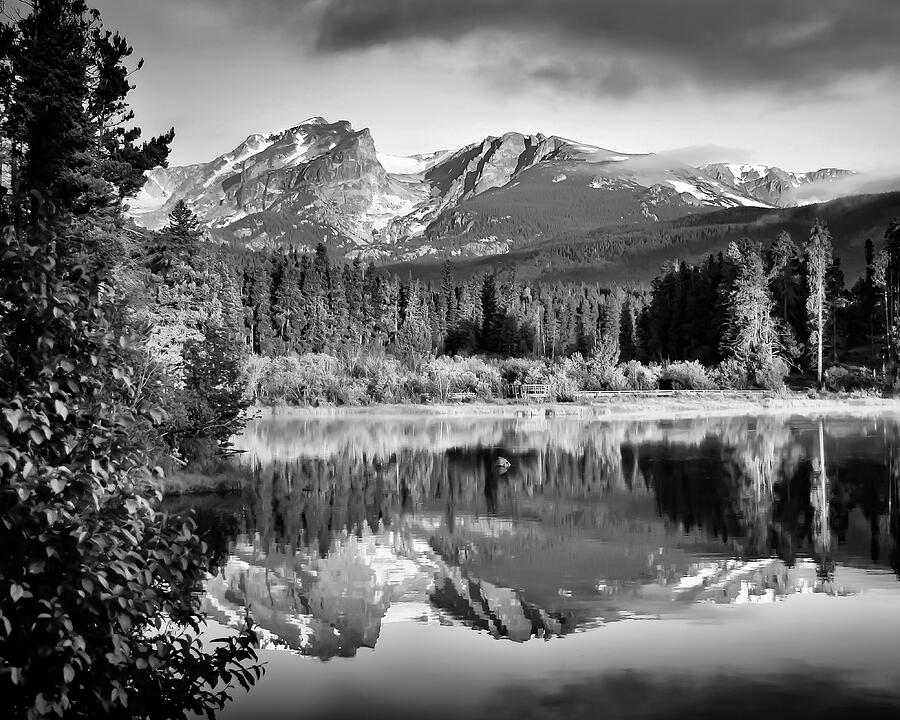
689, 189
399, 165
387, 207
151, 196
744, 171
228, 163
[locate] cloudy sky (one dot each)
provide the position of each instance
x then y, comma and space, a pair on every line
798, 83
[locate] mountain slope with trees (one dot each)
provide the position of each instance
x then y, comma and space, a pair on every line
634, 255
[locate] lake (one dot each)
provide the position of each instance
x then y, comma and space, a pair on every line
537, 567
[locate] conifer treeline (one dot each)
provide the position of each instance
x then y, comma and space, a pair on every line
750, 304
299, 303
751, 300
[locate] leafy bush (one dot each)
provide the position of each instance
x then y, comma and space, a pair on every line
732, 374
769, 373
640, 377
839, 378
413, 388
99, 610
562, 387
685, 376
612, 378
449, 375
212, 393
519, 370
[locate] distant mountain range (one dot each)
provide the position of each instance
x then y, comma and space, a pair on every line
326, 182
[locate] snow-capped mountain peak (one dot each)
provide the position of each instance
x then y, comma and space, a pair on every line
770, 184
321, 181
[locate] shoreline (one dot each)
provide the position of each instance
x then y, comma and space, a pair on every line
617, 407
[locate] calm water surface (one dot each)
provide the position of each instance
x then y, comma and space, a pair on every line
656, 569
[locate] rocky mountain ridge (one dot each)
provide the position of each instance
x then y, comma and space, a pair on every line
772, 185
327, 182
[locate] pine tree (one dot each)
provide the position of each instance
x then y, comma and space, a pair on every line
890, 283
866, 321
608, 349
491, 313
818, 259
750, 333
232, 321
353, 284
338, 312
447, 293
315, 302
67, 119
212, 384
783, 272
375, 307
836, 299
783, 266
627, 344
287, 316
414, 337
185, 295
177, 245
257, 306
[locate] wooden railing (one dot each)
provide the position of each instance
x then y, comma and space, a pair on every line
469, 395
587, 394
534, 391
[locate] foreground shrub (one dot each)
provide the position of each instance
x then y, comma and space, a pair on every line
732, 374
611, 378
839, 378
99, 602
769, 373
470, 375
378, 377
521, 371
640, 377
562, 387
685, 376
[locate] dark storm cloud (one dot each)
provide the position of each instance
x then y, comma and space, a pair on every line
787, 44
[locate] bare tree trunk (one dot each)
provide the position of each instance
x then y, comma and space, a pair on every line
834, 335
887, 328
820, 338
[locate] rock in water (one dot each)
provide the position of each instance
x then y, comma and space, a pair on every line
502, 462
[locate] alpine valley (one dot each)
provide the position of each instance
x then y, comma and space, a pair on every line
550, 204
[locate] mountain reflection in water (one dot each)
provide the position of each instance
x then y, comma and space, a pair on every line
349, 524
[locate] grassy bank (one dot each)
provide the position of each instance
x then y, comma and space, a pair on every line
623, 406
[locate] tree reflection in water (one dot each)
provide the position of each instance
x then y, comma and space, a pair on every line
349, 522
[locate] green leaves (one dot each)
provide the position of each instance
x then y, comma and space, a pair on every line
87, 566
14, 418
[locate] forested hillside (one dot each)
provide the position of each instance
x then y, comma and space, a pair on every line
635, 254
